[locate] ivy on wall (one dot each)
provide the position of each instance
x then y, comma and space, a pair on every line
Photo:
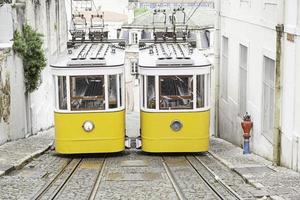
29, 45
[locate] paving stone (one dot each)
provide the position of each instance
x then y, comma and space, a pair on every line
14, 154
279, 182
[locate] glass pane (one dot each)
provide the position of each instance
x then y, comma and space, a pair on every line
176, 92
62, 92
207, 90
151, 92
121, 89
87, 93
143, 91
112, 91
200, 91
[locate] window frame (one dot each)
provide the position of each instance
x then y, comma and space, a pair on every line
143, 95
268, 133
120, 91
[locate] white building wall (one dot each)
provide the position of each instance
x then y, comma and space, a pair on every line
252, 24
290, 155
33, 113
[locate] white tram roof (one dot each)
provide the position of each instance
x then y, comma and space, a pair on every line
92, 55
171, 55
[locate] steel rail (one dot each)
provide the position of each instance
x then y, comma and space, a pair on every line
208, 185
46, 188
98, 181
227, 187
61, 186
174, 183
221, 182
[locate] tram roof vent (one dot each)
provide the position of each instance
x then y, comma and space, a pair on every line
86, 63
171, 50
168, 61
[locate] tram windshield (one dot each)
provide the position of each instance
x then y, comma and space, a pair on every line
175, 92
87, 92
183, 92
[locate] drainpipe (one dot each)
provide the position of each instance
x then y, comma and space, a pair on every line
277, 128
217, 64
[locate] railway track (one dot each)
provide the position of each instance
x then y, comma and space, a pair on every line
72, 170
216, 186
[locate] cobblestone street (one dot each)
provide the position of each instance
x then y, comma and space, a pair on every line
223, 173
128, 175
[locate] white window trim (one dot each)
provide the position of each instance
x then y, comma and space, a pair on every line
107, 109
194, 109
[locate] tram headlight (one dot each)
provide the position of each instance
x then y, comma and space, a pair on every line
88, 126
176, 125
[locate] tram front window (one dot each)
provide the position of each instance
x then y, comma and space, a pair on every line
87, 92
175, 92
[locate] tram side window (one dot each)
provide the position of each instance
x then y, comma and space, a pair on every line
151, 92
176, 92
62, 92
87, 92
200, 91
112, 91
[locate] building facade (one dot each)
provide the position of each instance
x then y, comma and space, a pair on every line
258, 74
24, 114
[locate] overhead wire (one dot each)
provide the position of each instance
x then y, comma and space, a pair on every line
194, 11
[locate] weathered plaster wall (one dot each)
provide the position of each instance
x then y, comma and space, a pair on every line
23, 114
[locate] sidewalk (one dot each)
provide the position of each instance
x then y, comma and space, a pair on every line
15, 154
278, 182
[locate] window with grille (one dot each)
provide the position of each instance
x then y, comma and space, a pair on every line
134, 68
268, 98
134, 38
224, 69
243, 80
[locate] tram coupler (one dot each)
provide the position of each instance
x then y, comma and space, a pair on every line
127, 142
138, 142
247, 125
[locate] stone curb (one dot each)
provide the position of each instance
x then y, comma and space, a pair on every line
20, 163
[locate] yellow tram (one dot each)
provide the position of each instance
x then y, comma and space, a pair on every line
90, 109
175, 96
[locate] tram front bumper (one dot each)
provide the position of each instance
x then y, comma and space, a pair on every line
158, 135
108, 134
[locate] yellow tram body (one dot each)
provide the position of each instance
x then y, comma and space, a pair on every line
89, 84
175, 97
108, 135
158, 137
